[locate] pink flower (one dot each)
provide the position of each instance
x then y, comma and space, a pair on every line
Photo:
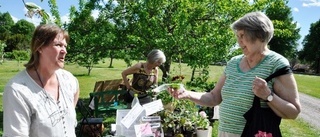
203, 114
263, 134
202, 121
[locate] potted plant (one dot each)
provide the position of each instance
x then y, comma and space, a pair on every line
178, 122
178, 116
168, 101
203, 125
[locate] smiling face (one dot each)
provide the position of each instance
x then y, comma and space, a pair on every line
54, 54
246, 44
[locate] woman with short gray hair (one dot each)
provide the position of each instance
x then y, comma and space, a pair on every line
244, 78
145, 75
156, 56
256, 25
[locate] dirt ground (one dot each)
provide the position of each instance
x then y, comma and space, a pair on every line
310, 110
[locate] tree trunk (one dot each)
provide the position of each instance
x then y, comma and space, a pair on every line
89, 67
318, 66
192, 75
165, 68
111, 61
89, 70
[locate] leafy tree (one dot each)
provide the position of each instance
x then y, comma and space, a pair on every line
23, 27
311, 49
2, 46
20, 55
35, 10
21, 36
193, 32
89, 38
286, 33
82, 50
55, 12
16, 36
6, 22
114, 35
15, 41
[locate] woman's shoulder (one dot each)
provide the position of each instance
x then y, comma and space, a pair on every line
19, 83
20, 77
237, 57
138, 65
277, 59
63, 71
65, 77
275, 54
65, 74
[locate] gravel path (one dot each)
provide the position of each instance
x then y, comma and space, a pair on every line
310, 110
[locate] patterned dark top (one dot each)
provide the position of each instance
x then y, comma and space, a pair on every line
143, 81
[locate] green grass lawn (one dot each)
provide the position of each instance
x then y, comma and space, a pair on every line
308, 84
290, 128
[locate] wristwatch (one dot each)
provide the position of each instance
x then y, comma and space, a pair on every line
270, 97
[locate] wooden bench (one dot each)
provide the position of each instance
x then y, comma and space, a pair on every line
106, 85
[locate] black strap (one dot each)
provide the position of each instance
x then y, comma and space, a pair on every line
263, 118
282, 71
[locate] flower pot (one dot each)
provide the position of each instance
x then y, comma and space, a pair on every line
189, 134
169, 132
204, 133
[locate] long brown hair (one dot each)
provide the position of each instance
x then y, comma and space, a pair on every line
43, 36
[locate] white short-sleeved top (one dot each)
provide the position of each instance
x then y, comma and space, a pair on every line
29, 111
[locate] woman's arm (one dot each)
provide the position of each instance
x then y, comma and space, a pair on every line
16, 114
129, 71
76, 97
212, 98
156, 74
76, 94
286, 103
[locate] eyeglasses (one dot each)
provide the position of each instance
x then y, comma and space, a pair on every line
240, 36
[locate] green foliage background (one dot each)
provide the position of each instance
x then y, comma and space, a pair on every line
290, 128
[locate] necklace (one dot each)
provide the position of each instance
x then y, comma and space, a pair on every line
42, 85
61, 109
39, 78
248, 63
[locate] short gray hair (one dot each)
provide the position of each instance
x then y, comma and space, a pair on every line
256, 25
156, 55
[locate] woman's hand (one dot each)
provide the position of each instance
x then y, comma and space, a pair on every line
178, 93
260, 88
